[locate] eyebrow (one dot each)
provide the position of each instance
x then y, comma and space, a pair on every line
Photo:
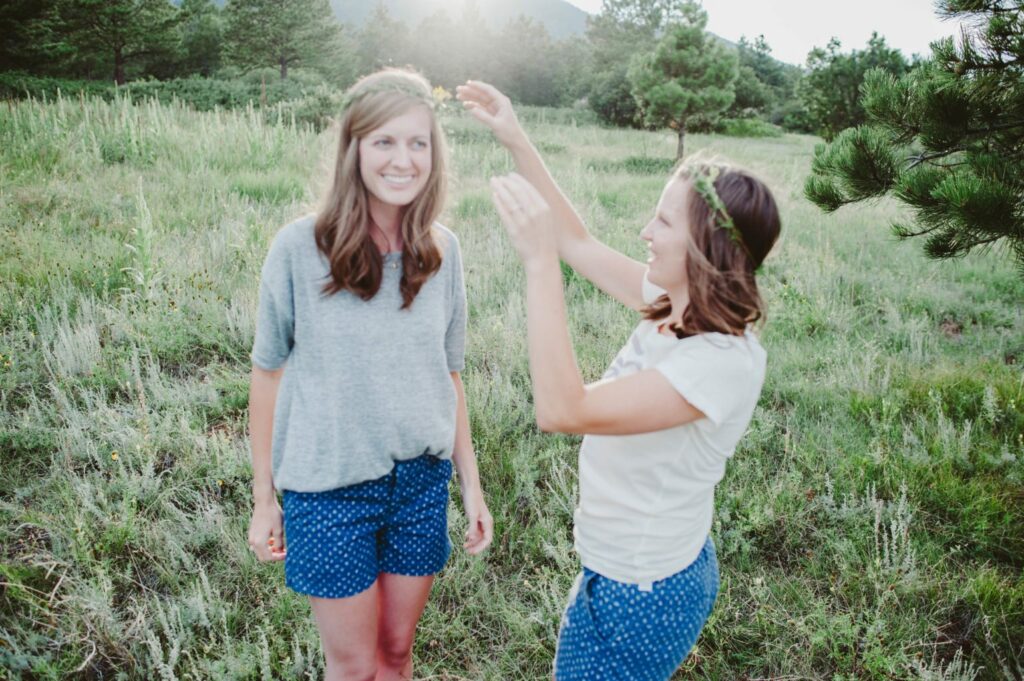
393, 136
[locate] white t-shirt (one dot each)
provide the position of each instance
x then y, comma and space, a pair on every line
647, 500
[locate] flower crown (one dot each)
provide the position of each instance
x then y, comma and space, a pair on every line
703, 176
395, 86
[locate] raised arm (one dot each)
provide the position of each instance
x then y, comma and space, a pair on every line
638, 403
614, 273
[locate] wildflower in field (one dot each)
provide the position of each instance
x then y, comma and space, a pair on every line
441, 95
113, 456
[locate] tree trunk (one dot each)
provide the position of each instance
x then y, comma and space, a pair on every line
284, 68
679, 144
118, 66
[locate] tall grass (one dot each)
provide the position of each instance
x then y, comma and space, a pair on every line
869, 526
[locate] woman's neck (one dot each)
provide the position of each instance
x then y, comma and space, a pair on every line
389, 219
680, 299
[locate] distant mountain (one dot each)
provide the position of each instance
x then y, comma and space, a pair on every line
558, 16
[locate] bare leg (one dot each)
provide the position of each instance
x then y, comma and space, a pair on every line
348, 635
401, 601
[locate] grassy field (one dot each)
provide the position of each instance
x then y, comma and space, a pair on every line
871, 524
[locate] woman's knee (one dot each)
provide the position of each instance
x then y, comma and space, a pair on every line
350, 665
394, 650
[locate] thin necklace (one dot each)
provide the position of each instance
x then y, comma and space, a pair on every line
394, 265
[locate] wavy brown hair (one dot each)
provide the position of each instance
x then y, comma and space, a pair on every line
343, 224
720, 270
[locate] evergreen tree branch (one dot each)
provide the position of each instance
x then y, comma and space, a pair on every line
996, 128
904, 233
922, 158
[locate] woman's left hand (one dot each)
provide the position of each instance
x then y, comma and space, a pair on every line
492, 108
527, 217
480, 525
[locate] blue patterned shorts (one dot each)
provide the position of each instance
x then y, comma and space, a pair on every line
613, 631
338, 541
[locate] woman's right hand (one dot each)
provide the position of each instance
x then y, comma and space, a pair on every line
266, 531
489, 106
527, 218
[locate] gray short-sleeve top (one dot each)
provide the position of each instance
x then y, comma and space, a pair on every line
365, 383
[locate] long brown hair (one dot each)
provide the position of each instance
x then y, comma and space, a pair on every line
343, 224
720, 267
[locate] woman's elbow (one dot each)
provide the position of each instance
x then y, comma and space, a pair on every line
553, 422
265, 378
546, 425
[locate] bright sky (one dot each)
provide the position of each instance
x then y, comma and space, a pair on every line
793, 27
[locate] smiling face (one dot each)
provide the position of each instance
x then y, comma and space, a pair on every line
668, 236
395, 159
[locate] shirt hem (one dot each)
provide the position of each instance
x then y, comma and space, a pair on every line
642, 578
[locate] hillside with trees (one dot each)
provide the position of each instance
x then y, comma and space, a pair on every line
542, 52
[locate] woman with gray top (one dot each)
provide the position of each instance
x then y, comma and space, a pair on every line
357, 410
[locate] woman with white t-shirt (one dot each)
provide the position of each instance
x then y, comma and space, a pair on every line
667, 414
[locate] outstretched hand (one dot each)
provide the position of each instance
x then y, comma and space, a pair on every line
526, 216
489, 106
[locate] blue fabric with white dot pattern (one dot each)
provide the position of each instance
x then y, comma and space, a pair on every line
613, 631
338, 541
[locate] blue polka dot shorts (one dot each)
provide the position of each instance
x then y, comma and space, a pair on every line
613, 631
339, 541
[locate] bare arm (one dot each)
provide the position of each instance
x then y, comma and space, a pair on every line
267, 522
639, 403
614, 273
480, 524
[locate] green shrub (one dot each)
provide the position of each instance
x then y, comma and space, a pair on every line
312, 96
636, 165
20, 85
747, 127
297, 78
556, 116
202, 94
318, 109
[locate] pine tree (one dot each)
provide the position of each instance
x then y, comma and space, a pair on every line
623, 29
689, 74
474, 48
761, 83
947, 139
202, 34
122, 32
571, 57
382, 41
526, 71
430, 50
284, 33
831, 89
31, 38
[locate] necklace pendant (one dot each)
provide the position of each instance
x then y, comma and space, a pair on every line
394, 265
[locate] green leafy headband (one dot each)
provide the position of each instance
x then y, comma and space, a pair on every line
703, 178
395, 86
